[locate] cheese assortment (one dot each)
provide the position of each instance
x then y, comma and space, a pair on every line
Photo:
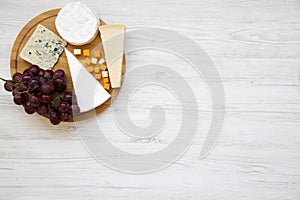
77, 24
43, 48
97, 68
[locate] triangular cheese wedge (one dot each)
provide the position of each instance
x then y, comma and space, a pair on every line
113, 37
90, 93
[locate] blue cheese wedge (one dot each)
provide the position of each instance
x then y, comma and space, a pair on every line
43, 48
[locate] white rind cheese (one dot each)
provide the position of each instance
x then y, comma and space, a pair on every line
43, 48
113, 37
90, 93
77, 24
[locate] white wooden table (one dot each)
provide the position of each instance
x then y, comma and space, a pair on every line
255, 45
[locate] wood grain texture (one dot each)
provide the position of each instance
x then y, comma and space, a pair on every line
255, 46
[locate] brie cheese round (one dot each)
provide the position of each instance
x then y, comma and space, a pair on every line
77, 24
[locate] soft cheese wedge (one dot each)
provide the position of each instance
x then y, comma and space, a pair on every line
90, 93
113, 37
77, 24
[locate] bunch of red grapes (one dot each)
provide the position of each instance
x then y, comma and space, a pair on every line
44, 92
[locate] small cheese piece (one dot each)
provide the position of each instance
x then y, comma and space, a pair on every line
97, 69
104, 74
103, 67
97, 76
90, 69
102, 61
94, 61
43, 48
77, 52
90, 93
105, 80
86, 52
97, 54
113, 37
106, 86
87, 61
77, 24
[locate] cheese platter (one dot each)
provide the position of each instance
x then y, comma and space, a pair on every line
59, 45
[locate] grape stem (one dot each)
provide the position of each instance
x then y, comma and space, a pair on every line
2, 79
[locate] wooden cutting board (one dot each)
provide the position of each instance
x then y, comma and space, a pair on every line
47, 19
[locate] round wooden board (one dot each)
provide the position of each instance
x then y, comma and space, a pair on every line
47, 19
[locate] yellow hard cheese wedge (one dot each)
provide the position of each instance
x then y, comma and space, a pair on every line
113, 36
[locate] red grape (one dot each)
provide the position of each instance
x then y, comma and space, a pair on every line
9, 86
59, 84
48, 74
23, 87
34, 100
26, 78
65, 117
34, 70
17, 77
42, 109
34, 83
42, 80
63, 106
68, 96
55, 118
29, 109
59, 73
47, 88
46, 98
75, 110
19, 99
26, 71
74, 99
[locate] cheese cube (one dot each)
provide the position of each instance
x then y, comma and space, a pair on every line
106, 80
97, 76
104, 74
86, 52
90, 69
87, 61
101, 61
97, 69
103, 67
106, 86
97, 54
94, 61
77, 52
